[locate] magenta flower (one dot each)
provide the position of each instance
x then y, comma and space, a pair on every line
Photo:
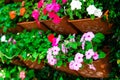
64, 49
54, 42
51, 14
49, 7
64, 1
89, 53
56, 7
56, 19
55, 50
95, 56
22, 75
78, 57
14, 41
35, 14
89, 36
91, 66
40, 3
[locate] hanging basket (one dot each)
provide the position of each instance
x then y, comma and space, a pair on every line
102, 68
32, 25
63, 27
96, 25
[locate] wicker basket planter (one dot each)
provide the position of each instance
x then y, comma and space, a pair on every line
96, 25
63, 27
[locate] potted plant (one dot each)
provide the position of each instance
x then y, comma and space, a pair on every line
88, 16
79, 56
51, 13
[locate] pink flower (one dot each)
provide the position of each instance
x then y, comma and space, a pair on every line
49, 7
89, 53
52, 61
35, 14
64, 49
83, 45
77, 65
56, 7
55, 50
91, 66
83, 37
89, 36
71, 65
54, 42
51, 14
14, 41
44, 11
40, 3
95, 56
56, 19
78, 57
64, 1
22, 75
49, 53
10, 39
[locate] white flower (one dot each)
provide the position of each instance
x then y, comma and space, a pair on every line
91, 9
3, 38
98, 12
75, 4
84, 0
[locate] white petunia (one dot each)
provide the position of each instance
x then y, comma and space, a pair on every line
75, 4
98, 12
91, 9
3, 38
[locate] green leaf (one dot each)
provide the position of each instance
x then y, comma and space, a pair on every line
30, 73
59, 63
99, 36
101, 54
61, 78
88, 45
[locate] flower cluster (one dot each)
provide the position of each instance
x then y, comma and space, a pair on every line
75, 50
48, 9
84, 8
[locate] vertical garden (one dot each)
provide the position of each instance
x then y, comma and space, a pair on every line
59, 40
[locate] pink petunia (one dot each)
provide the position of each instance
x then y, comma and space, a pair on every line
89, 53
55, 50
64, 49
78, 57
83, 37
40, 3
51, 14
77, 66
95, 56
44, 11
22, 75
64, 1
54, 42
89, 36
52, 61
83, 45
49, 7
35, 14
71, 65
91, 66
56, 7
56, 19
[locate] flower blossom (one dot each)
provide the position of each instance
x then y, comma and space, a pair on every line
55, 50
35, 14
64, 1
89, 53
91, 9
22, 75
64, 49
52, 61
3, 38
91, 66
73, 65
51, 37
89, 36
98, 12
75, 4
78, 57
95, 56
56, 19
40, 3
